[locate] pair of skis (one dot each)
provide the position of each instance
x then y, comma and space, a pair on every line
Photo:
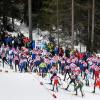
51, 92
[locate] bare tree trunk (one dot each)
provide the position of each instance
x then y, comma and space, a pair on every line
88, 44
93, 15
13, 23
72, 40
4, 16
5, 22
58, 23
25, 13
30, 18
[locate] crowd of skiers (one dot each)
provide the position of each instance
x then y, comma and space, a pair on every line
77, 66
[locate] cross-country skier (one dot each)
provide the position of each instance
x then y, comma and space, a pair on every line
79, 85
72, 80
56, 80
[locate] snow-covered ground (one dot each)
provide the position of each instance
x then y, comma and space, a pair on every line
26, 86
20, 86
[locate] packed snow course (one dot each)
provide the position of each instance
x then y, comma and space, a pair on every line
31, 86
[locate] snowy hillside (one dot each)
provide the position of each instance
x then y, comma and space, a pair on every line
22, 27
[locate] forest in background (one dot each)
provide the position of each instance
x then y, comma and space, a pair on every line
52, 14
